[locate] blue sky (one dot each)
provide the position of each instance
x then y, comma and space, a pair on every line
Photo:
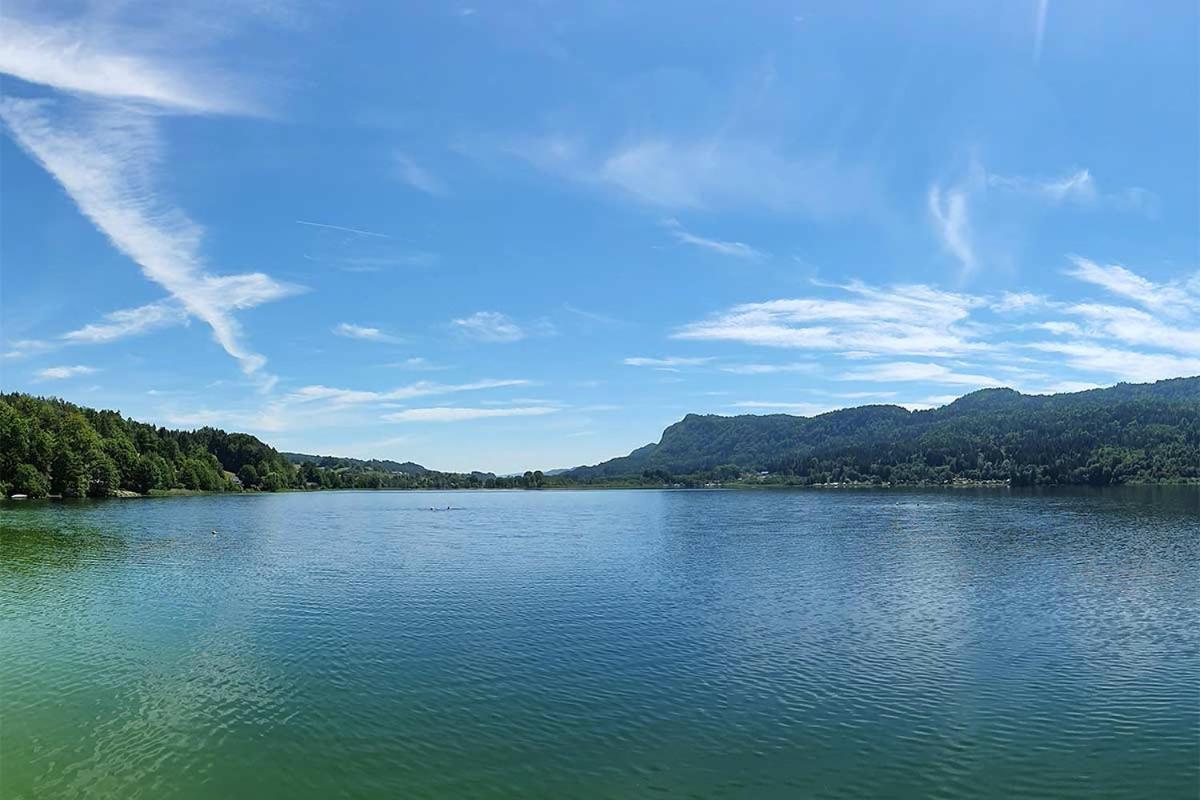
531, 235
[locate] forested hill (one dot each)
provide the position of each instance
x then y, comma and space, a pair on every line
375, 464
1127, 433
52, 447
49, 446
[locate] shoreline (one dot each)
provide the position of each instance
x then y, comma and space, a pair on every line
159, 494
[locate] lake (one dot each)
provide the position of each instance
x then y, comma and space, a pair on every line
820, 643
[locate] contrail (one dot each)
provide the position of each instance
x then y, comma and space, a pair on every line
1039, 33
340, 228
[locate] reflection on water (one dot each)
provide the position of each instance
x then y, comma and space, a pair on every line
965, 643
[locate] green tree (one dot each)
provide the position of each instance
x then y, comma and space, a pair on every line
248, 475
29, 480
273, 482
105, 477
150, 473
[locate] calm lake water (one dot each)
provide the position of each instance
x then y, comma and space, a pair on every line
603, 644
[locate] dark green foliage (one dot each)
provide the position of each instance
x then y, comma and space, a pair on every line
29, 480
48, 446
369, 465
1129, 433
248, 475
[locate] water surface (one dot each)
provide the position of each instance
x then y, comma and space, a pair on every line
603, 644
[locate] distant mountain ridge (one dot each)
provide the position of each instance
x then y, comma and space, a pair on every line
1126, 432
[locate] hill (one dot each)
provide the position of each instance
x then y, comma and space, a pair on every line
374, 464
1127, 433
51, 447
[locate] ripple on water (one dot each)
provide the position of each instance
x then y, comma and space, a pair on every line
608, 644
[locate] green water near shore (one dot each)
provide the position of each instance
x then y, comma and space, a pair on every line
964, 643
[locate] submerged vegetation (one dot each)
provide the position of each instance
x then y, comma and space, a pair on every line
1131, 433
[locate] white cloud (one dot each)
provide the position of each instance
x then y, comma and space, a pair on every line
902, 320
352, 331
769, 369
446, 414
1077, 187
128, 322
24, 348
418, 363
106, 163
1128, 365
1134, 326
489, 326
949, 212
62, 373
1174, 299
83, 57
734, 249
1018, 302
669, 361
803, 409
709, 173
915, 371
418, 177
418, 389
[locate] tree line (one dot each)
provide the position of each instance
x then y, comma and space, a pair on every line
49, 447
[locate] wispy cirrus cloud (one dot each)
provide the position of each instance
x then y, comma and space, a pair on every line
449, 414
90, 58
1175, 299
918, 371
770, 369
667, 362
1078, 186
418, 177
948, 208
127, 322
105, 160
414, 390
490, 326
902, 320
802, 409
970, 340
106, 149
349, 330
419, 363
1129, 365
62, 373
734, 249
717, 172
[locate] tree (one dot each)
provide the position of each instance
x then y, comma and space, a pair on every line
273, 482
29, 480
105, 477
248, 475
150, 473
69, 475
